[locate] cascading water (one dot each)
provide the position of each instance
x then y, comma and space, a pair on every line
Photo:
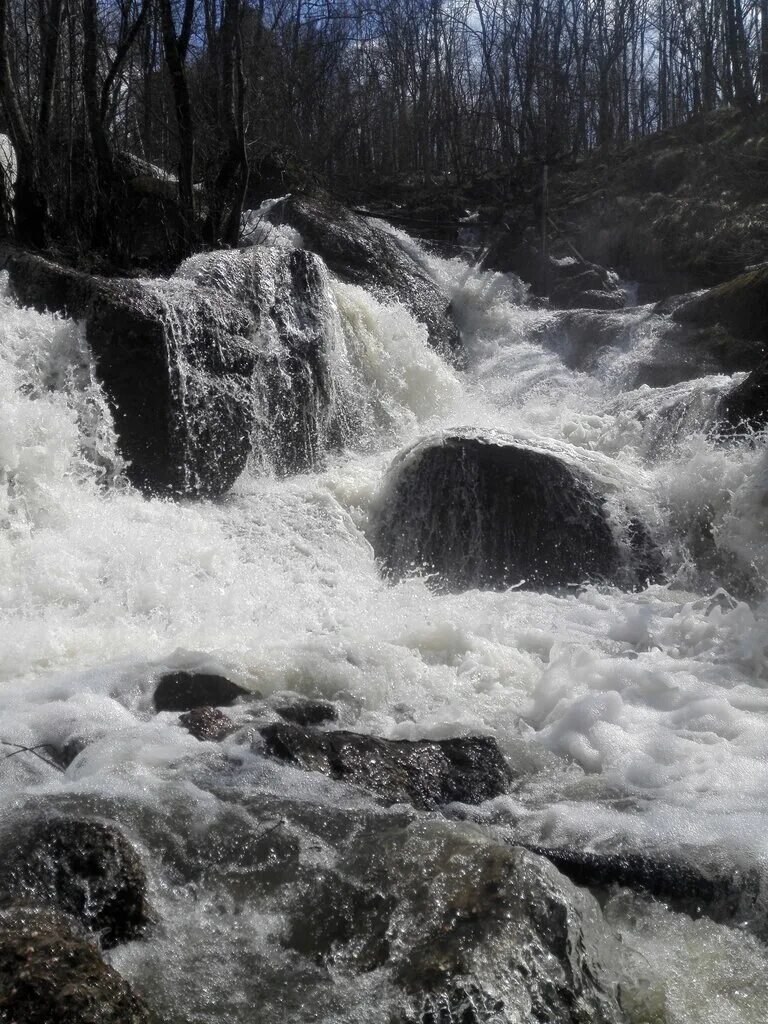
633, 721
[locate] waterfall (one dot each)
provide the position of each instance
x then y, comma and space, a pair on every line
631, 719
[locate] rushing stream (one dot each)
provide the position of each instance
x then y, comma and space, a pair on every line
635, 721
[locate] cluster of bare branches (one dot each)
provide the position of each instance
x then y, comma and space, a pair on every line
211, 90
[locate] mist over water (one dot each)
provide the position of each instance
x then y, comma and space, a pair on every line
637, 720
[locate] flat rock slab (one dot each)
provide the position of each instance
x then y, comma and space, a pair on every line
425, 773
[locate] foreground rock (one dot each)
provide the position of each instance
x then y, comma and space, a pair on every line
49, 975
85, 869
476, 512
468, 922
185, 363
185, 691
567, 280
367, 254
424, 773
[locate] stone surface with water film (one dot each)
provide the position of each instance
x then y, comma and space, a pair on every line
474, 512
365, 253
466, 922
233, 353
467, 769
287, 292
85, 869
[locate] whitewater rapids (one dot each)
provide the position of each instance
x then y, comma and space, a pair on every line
641, 719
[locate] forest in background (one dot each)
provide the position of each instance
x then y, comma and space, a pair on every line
234, 99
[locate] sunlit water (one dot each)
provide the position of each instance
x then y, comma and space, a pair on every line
640, 720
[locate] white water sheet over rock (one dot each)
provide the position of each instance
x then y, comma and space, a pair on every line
635, 720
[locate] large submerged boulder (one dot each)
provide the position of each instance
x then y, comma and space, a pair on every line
425, 773
50, 975
469, 922
475, 511
367, 254
85, 869
232, 352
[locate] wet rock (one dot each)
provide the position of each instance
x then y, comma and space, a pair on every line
367, 254
307, 711
425, 773
49, 975
83, 868
66, 753
506, 921
177, 366
471, 511
487, 929
208, 723
185, 691
47, 286
288, 295
740, 305
698, 889
185, 363
343, 923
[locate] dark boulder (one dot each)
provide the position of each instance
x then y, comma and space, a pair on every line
697, 889
739, 305
186, 363
85, 869
367, 254
477, 512
287, 293
49, 975
424, 773
185, 691
47, 286
208, 723
177, 366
